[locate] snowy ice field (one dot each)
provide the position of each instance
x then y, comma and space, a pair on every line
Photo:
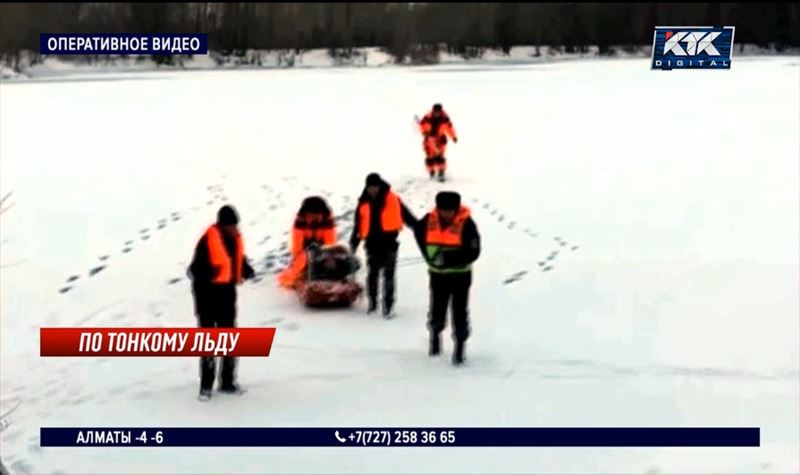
673, 302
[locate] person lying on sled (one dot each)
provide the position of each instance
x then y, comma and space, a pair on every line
331, 262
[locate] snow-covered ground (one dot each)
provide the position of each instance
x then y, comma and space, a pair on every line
672, 302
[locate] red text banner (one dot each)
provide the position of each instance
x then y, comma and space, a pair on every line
156, 341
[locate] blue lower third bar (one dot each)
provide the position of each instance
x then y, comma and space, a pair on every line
401, 437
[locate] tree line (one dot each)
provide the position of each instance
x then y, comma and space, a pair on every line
406, 30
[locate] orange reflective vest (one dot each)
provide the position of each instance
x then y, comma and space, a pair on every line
391, 219
305, 232
221, 261
449, 236
438, 239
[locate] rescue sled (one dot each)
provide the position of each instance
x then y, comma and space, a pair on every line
329, 280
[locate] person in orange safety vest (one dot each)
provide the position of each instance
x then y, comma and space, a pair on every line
450, 243
314, 223
378, 221
436, 127
217, 267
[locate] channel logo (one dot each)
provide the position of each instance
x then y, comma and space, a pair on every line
692, 47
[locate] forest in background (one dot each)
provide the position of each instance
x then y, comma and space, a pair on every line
413, 32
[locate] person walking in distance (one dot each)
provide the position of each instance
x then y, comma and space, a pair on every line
449, 241
436, 127
218, 266
378, 221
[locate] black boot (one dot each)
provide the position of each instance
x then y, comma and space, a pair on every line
434, 348
231, 388
458, 354
441, 175
205, 395
372, 306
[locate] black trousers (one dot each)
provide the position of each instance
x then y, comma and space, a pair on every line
446, 290
215, 307
381, 260
434, 161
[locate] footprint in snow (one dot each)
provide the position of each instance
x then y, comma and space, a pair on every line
64, 290
574, 248
174, 281
144, 230
515, 277
291, 327
96, 270
104, 258
127, 250
271, 321
73, 278
547, 269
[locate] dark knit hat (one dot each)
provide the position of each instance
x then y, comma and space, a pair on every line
314, 204
437, 107
227, 215
448, 200
373, 179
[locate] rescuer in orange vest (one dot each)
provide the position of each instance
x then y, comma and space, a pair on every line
378, 220
450, 243
314, 223
436, 127
218, 266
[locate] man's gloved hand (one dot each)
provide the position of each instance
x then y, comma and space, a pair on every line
438, 260
247, 271
455, 139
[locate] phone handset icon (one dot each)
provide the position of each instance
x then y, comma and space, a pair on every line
340, 439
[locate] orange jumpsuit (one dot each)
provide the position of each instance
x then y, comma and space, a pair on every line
436, 128
308, 228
